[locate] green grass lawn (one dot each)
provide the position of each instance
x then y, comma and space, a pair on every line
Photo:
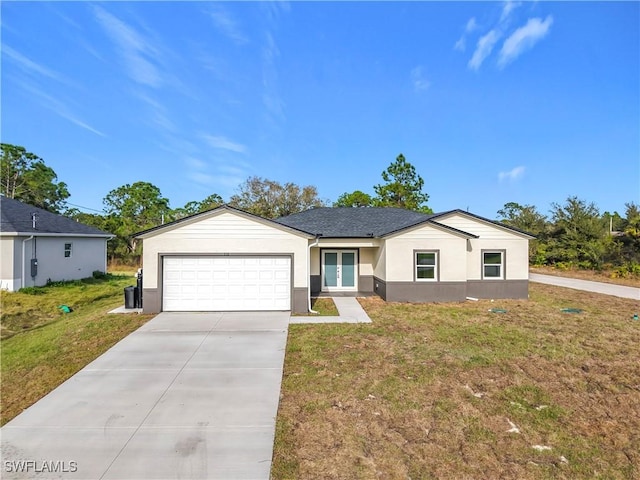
456, 391
42, 346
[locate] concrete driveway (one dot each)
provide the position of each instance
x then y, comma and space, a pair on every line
587, 285
186, 396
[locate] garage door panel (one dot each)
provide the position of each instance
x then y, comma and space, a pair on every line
213, 283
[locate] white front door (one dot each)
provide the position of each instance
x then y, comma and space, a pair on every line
339, 270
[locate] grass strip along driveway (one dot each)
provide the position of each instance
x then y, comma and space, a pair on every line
462, 391
42, 346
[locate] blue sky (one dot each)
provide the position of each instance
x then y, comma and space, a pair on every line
492, 102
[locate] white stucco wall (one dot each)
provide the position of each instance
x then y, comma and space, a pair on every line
400, 262
492, 237
220, 233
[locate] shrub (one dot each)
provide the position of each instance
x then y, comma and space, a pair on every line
627, 270
33, 290
99, 275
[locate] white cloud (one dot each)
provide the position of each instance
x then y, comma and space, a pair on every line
31, 66
195, 163
138, 53
483, 49
507, 8
471, 25
202, 178
227, 25
419, 80
271, 99
224, 143
523, 39
60, 108
512, 175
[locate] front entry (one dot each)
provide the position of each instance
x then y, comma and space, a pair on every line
339, 270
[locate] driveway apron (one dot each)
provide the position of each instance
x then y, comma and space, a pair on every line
186, 396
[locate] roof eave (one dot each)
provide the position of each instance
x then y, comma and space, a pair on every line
489, 221
54, 234
455, 231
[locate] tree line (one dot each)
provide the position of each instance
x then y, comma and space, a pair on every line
575, 234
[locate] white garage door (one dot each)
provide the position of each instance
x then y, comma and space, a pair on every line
211, 283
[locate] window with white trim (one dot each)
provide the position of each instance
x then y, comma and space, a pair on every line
426, 265
68, 247
493, 264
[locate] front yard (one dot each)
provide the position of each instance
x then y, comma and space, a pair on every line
458, 391
505, 389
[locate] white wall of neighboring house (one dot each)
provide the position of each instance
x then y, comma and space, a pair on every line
9, 264
87, 256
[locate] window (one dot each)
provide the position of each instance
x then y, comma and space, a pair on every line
493, 265
67, 250
426, 266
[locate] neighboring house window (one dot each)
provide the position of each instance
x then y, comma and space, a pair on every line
426, 266
493, 264
67, 250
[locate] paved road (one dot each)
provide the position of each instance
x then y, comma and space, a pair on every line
586, 285
186, 396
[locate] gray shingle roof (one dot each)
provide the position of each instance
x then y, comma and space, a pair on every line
353, 222
15, 217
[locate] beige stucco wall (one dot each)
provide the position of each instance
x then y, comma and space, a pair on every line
221, 233
492, 237
400, 254
315, 261
366, 258
380, 261
516, 257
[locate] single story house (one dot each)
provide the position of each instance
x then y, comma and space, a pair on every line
227, 259
37, 246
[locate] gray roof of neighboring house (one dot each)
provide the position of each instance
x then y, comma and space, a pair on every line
16, 217
355, 222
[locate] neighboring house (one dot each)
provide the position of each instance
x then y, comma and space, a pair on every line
226, 259
37, 246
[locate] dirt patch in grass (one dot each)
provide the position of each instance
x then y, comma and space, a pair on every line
456, 391
604, 276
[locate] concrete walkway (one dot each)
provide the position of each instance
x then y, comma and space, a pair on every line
186, 396
349, 311
588, 286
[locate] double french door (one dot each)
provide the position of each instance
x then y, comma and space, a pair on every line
339, 270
